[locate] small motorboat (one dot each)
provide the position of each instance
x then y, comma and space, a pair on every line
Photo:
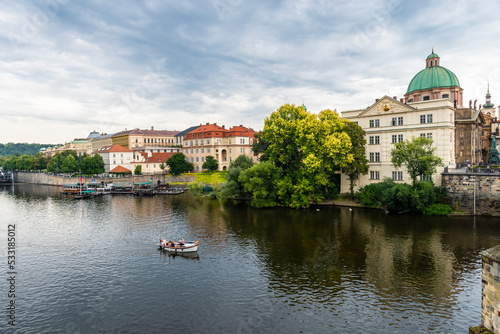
178, 247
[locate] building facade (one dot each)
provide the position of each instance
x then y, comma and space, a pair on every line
116, 156
223, 144
142, 138
151, 163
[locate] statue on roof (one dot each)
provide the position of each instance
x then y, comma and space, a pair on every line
475, 103
493, 158
470, 104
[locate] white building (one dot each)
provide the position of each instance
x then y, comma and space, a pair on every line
116, 156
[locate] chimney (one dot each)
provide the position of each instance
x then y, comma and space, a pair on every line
401, 100
206, 124
152, 127
395, 98
376, 100
224, 127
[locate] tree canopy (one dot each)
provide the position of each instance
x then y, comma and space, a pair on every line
418, 157
233, 188
178, 164
307, 148
210, 164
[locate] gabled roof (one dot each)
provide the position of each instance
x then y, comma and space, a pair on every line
214, 130
158, 157
393, 104
183, 133
113, 148
146, 132
120, 169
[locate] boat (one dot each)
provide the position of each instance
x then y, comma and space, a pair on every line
73, 189
189, 246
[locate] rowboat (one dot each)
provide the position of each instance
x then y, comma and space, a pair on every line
188, 246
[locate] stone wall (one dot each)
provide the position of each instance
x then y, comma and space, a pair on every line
58, 179
460, 187
490, 314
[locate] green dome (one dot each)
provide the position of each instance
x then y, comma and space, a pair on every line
433, 77
432, 55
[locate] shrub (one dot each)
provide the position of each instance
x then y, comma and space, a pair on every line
437, 210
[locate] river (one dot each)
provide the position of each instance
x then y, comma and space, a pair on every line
92, 266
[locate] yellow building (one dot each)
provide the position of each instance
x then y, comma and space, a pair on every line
138, 138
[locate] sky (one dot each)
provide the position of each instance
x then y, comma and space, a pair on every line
70, 67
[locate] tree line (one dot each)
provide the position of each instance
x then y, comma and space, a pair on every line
21, 149
64, 162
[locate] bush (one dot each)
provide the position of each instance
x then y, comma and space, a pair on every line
372, 194
437, 210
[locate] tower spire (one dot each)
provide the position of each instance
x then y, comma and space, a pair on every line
488, 104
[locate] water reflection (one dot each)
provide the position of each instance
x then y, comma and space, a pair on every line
269, 270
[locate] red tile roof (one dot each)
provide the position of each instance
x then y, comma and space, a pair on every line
213, 130
120, 169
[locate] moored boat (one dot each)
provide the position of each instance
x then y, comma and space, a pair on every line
177, 247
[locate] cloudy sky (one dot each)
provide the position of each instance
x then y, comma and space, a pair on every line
69, 67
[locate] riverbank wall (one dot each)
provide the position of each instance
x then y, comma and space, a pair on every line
59, 179
473, 192
490, 292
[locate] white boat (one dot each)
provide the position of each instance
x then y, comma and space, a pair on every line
171, 246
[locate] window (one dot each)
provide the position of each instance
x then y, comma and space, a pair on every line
197, 159
202, 150
400, 120
397, 176
445, 96
114, 162
195, 143
400, 138
429, 135
425, 178
374, 123
394, 121
229, 140
242, 151
374, 175
422, 119
422, 135
191, 143
394, 139
377, 139
372, 140
208, 150
196, 151
202, 159
429, 118
242, 140
208, 141
426, 98
197, 168
375, 157
192, 160
114, 155
229, 150
191, 151
154, 165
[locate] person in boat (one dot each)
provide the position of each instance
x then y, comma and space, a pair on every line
172, 244
181, 242
163, 242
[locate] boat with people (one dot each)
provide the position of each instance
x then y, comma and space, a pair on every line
180, 246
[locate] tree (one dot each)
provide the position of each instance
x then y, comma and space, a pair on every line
55, 164
210, 163
260, 181
307, 148
69, 164
162, 166
98, 166
418, 156
233, 188
178, 164
138, 170
360, 164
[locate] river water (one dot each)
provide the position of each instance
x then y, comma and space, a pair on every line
93, 266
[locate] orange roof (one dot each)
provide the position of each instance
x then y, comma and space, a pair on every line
120, 169
213, 130
159, 157
113, 148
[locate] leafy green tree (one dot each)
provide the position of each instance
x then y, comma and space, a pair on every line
418, 156
55, 164
69, 164
260, 181
86, 165
210, 164
138, 170
98, 166
233, 188
178, 164
307, 148
162, 166
360, 164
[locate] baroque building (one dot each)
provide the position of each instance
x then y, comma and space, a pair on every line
223, 144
